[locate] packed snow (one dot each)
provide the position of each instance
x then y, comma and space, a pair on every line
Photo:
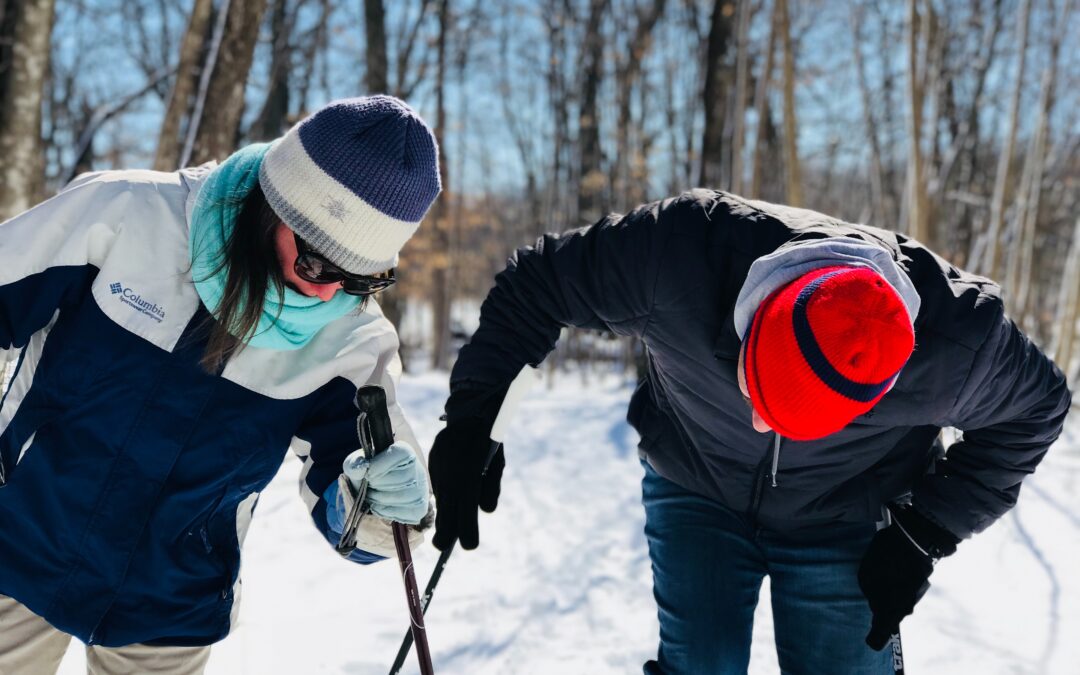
561, 581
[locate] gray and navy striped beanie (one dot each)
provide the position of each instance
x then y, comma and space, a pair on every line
354, 180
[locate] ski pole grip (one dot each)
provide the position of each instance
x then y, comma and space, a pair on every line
373, 424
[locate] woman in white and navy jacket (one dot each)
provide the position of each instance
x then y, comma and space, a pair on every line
175, 334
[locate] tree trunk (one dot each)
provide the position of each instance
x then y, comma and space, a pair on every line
1068, 307
792, 170
273, 118
376, 72
918, 216
22, 90
628, 73
187, 78
558, 207
591, 179
877, 172
1021, 261
1001, 180
764, 115
377, 81
440, 258
742, 66
219, 126
714, 96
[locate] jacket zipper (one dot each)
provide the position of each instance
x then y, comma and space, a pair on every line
758, 490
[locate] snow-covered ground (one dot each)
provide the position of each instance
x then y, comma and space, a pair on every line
561, 581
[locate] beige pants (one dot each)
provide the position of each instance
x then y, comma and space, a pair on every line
30, 646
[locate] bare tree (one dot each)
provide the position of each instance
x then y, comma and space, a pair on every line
591, 179
558, 14
523, 134
916, 202
377, 70
1019, 269
273, 117
219, 125
408, 78
761, 106
792, 169
715, 92
627, 73
27, 26
1001, 181
877, 171
742, 67
187, 77
440, 259
377, 81
1068, 308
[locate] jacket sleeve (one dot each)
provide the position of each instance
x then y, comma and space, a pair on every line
327, 436
599, 277
50, 254
1011, 409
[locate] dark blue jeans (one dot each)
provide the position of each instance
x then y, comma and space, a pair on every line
708, 562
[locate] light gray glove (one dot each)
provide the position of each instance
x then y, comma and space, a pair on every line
397, 487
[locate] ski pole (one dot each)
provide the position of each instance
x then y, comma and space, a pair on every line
518, 388
376, 435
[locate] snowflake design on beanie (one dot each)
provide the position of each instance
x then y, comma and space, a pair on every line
336, 208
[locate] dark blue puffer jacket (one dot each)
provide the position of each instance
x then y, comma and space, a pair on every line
669, 273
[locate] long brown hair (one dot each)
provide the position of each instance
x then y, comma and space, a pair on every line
252, 268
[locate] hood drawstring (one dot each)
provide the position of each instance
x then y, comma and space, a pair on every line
775, 456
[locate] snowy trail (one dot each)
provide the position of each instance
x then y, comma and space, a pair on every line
561, 581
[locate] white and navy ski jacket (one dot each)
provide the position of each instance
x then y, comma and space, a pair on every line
128, 475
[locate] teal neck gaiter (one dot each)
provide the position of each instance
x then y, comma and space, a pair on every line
285, 325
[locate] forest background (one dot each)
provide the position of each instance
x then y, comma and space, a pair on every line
954, 122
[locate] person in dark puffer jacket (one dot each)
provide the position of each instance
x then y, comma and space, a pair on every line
800, 370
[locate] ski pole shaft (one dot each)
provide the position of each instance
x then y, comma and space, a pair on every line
429, 590
418, 631
376, 435
524, 381
425, 600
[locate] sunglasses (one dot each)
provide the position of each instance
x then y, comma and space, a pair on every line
315, 268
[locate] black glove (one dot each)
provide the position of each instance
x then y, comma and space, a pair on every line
456, 466
896, 568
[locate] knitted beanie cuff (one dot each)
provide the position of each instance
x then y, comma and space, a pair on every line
327, 215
